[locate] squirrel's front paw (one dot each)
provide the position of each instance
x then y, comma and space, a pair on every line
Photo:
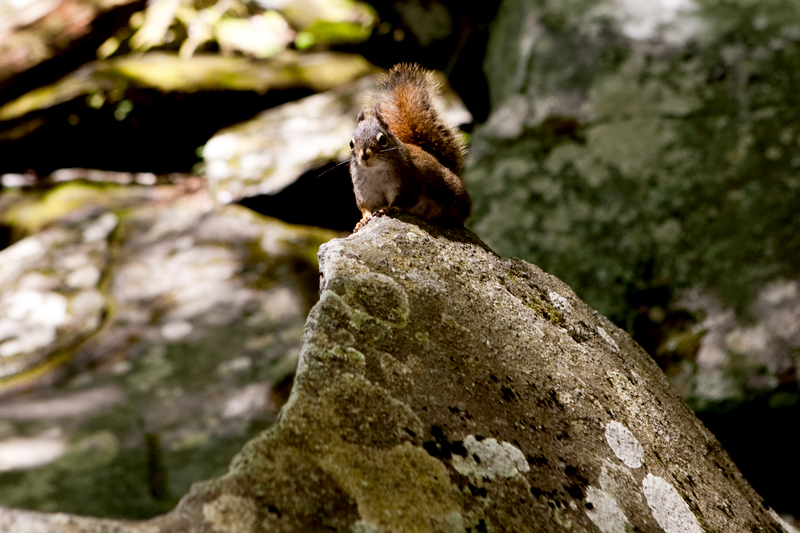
362, 223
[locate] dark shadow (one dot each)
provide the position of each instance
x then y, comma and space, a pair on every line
160, 134
321, 197
761, 440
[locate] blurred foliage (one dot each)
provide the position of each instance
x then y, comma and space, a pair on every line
687, 174
250, 28
107, 82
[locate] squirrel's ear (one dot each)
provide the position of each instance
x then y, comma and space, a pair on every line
360, 116
379, 117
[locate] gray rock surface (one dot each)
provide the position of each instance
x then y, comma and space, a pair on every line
49, 297
443, 388
142, 346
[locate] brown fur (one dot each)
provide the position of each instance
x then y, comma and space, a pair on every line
404, 157
406, 102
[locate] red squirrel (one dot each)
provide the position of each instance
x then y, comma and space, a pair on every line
404, 158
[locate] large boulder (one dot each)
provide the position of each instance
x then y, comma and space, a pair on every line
443, 388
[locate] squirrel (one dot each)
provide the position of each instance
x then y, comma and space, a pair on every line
404, 158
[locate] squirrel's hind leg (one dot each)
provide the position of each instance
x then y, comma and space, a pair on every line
390, 210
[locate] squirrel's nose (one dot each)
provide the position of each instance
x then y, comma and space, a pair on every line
364, 154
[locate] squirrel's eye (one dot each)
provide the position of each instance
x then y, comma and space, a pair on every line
352, 143
381, 138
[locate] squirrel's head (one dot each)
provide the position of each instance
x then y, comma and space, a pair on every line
373, 141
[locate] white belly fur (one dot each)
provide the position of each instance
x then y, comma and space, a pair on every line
376, 186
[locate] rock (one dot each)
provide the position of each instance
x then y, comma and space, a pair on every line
741, 371
443, 388
50, 298
29, 212
730, 359
621, 156
620, 151
265, 154
141, 347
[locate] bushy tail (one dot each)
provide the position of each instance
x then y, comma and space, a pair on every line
406, 103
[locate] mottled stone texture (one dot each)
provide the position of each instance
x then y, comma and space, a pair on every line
141, 347
645, 152
635, 149
443, 388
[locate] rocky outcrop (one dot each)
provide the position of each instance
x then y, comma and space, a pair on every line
443, 388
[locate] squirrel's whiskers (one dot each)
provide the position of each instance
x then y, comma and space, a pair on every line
334, 167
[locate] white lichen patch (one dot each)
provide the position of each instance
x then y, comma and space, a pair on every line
626, 447
490, 458
606, 337
605, 512
668, 508
559, 302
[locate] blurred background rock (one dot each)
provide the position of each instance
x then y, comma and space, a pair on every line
644, 152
